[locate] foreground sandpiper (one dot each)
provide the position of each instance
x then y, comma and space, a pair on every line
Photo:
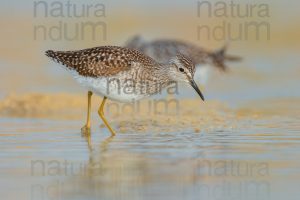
122, 74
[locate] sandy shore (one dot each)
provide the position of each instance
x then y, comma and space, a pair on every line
153, 115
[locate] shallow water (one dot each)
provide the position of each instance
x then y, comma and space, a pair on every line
258, 159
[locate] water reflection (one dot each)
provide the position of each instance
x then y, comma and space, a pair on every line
224, 165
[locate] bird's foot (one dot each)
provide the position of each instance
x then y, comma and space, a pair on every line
86, 131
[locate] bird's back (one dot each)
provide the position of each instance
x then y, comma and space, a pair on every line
100, 61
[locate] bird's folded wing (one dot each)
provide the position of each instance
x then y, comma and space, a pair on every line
99, 61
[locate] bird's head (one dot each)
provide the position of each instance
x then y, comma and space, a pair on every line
182, 69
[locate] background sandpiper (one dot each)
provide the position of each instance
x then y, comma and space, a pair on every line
163, 49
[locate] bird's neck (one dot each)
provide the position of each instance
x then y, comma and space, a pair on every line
162, 74
154, 78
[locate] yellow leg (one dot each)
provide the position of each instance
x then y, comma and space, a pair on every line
101, 114
87, 127
87, 136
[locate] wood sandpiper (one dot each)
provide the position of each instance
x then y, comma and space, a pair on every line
122, 74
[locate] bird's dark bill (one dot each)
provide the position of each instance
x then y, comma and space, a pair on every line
194, 85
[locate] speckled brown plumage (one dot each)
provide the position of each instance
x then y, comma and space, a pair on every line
123, 74
100, 61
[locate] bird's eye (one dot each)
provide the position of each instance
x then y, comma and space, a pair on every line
181, 69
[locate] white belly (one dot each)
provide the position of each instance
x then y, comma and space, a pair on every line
112, 88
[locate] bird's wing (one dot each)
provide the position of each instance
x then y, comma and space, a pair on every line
100, 61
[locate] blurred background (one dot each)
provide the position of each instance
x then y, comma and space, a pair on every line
270, 57
251, 116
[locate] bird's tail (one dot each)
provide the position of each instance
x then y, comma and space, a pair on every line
53, 55
219, 57
62, 57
